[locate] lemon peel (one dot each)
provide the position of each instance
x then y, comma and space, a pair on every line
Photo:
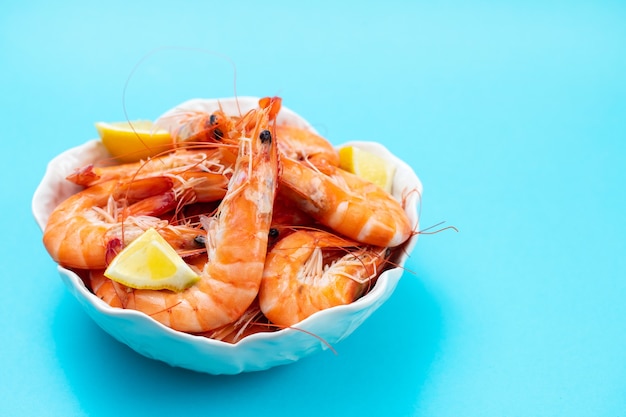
149, 262
131, 141
368, 166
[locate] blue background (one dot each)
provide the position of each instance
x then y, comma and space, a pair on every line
512, 114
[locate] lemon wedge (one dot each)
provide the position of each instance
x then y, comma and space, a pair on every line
368, 166
149, 262
134, 140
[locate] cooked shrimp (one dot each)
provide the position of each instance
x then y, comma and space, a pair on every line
236, 244
192, 127
83, 230
347, 204
217, 160
309, 271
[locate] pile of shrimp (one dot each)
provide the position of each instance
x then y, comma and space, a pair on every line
261, 211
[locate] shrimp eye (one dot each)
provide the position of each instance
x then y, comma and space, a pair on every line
273, 233
265, 136
213, 120
387, 252
200, 240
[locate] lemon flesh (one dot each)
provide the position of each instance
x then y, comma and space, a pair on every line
149, 262
368, 166
134, 140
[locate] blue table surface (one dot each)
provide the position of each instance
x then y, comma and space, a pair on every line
513, 114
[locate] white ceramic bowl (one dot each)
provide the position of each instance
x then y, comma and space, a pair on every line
258, 351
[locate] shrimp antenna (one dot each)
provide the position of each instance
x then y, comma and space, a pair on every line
179, 48
309, 333
427, 232
321, 339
